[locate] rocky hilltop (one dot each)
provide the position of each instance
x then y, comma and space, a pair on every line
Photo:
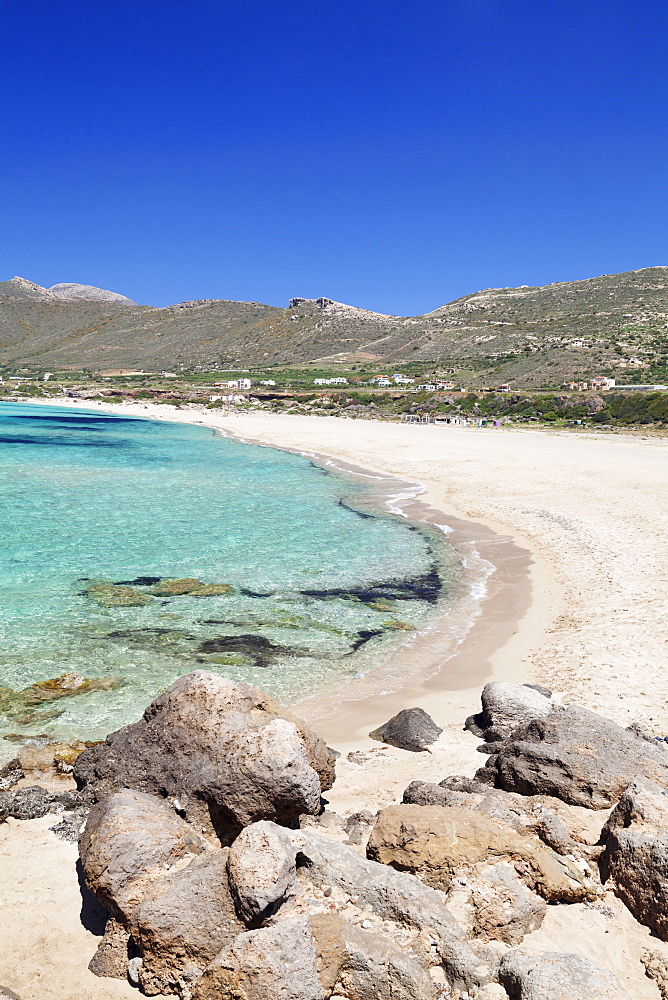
595, 320
204, 834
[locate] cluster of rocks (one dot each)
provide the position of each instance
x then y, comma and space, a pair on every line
224, 878
143, 590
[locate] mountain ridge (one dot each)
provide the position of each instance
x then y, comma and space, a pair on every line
499, 325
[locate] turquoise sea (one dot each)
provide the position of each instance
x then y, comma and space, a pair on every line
324, 585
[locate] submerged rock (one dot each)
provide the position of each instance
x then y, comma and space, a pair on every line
225, 751
112, 595
410, 729
24, 706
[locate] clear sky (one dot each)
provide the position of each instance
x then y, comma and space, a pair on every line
391, 155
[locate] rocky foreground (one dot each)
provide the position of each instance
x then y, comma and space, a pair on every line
202, 831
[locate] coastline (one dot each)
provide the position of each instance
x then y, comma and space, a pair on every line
578, 531
440, 670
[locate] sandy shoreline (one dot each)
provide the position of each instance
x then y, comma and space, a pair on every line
576, 526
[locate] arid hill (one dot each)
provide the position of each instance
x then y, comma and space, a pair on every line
621, 315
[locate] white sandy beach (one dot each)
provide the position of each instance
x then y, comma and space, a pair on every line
579, 522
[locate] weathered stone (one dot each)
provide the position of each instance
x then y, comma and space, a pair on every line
521, 813
636, 853
10, 773
265, 774
261, 870
557, 976
440, 843
656, 968
128, 839
181, 923
113, 952
363, 965
397, 897
574, 755
411, 729
34, 801
506, 706
188, 744
273, 963
504, 909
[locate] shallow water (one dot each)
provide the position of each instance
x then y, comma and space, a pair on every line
322, 588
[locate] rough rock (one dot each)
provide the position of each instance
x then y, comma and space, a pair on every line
113, 952
574, 755
360, 964
506, 706
184, 747
397, 897
182, 921
504, 909
440, 843
266, 775
410, 729
261, 870
10, 773
128, 839
557, 976
35, 801
273, 963
656, 968
523, 813
636, 853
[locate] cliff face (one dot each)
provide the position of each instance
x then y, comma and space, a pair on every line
575, 323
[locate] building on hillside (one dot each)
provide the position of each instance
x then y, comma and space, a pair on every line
427, 387
602, 383
445, 385
403, 379
268, 381
243, 383
330, 381
504, 388
381, 380
576, 386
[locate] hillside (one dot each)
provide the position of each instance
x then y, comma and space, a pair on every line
615, 321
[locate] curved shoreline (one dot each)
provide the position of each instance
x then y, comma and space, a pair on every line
444, 671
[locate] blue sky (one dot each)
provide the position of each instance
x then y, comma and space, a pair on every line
392, 155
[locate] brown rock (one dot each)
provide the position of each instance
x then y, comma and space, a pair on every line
188, 743
183, 920
439, 843
130, 838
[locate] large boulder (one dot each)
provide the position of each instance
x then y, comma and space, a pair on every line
195, 744
129, 839
503, 908
557, 976
636, 853
399, 900
574, 755
506, 706
272, 963
181, 923
441, 843
523, 813
261, 870
411, 729
358, 963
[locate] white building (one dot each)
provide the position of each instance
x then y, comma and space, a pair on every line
268, 381
243, 383
427, 387
403, 380
330, 381
643, 388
